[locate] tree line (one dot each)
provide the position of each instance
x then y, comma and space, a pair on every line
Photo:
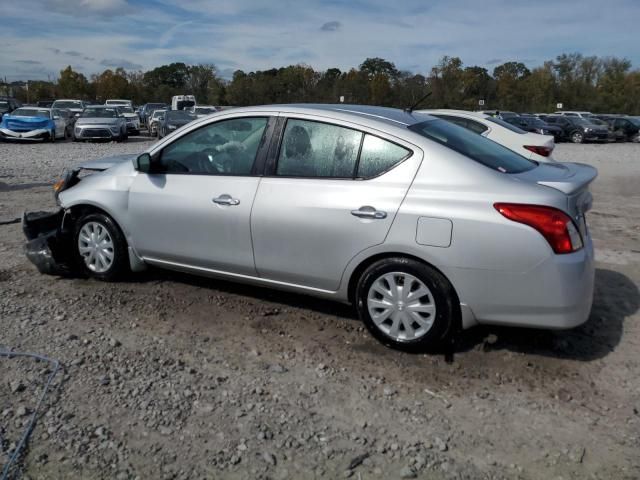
598, 84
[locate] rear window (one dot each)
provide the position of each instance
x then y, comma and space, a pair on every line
506, 125
476, 147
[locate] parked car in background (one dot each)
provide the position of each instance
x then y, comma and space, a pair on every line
572, 113
422, 225
75, 106
579, 129
133, 121
45, 103
626, 129
173, 120
203, 110
100, 122
32, 123
148, 109
118, 102
499, 113
530, 145
69, 119
8, 105
531, 123
154, 121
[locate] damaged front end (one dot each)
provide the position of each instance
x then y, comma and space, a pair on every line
48, 242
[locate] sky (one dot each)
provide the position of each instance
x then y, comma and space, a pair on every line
40, 37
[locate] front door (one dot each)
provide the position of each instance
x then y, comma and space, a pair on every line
333, 192
194, 210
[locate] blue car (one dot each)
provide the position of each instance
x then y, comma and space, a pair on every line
32, 123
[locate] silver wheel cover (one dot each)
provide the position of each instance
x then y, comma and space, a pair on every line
96, 247
401, 306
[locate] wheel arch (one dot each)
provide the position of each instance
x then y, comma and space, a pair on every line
367, 262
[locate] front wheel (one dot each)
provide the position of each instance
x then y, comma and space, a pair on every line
100, 247
577, 137
406, 304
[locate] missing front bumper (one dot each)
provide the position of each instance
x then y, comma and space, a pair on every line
48, 242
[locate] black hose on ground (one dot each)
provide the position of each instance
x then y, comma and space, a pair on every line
27, 432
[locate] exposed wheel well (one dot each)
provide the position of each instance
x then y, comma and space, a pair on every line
359, 270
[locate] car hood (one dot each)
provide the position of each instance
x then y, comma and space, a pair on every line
97, 121
10, 122
107, 162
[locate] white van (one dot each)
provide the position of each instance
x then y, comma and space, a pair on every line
183, 102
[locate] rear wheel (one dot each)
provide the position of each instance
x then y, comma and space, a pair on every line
577, 137
406, 304
100, 247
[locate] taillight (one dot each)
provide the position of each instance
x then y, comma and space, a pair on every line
553, 224
544, 151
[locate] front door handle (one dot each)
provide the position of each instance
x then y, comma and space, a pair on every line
369, 212
226, 199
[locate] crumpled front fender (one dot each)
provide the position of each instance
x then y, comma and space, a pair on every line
48, 242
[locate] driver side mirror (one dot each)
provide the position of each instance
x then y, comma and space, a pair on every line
143, 163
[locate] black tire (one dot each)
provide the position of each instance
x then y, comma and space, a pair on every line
120, 265
68, 133
443, 294
52, 136
577, 137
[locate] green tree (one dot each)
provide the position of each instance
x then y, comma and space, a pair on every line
72, 84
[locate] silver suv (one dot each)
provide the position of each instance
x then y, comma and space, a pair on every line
423, 225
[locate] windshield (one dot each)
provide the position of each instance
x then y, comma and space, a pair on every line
634, 120
67, 104
125, 109
179, 115
534, 122
474, 146
506, 125
155, 106
30, 112
581, 121
99, 112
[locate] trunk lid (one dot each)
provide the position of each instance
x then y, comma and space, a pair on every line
572, 179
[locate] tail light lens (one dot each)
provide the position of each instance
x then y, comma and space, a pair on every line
553, 224
544, 151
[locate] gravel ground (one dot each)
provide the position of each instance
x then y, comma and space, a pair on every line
171, 376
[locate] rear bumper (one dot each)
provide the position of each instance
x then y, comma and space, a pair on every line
556, 294
48, 242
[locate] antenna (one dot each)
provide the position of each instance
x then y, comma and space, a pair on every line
412, 107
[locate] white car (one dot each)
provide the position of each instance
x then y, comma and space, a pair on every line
133, 120
570, 113
203, 110
118, 102
530, 145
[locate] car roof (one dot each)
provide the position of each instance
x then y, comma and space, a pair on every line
384, 115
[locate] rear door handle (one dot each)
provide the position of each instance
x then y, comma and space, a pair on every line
226, 199
369, 212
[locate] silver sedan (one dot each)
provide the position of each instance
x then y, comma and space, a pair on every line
100, 122
425, 227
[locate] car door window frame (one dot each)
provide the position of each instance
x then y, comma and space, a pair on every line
277, 141
257, 167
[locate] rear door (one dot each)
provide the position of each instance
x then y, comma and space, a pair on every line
331, 190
